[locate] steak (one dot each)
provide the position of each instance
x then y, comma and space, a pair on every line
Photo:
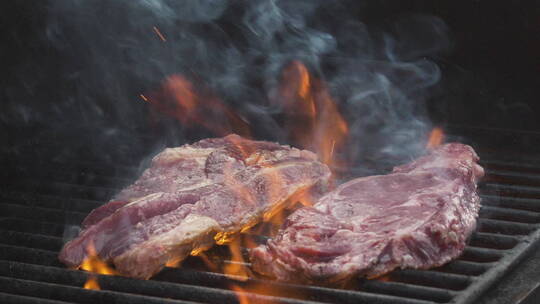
419, 216
191, 197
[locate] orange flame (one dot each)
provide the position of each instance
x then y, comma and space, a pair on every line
243, 290
180, 99
92, 283
175, 262
238, 270
313, 119
384, 278
94, 264
236, 267
436, 138
210, 264
240, 294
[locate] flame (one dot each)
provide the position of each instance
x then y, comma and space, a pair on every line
92, 283
313, 121
238, 270
303, 197
312, 117
243, 193
180, 99
210, 264
243, 290
274, 183
94, 264
175, 262
384, 278
436, 138
236, 267
240, 294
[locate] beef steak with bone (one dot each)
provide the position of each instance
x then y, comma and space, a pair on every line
192, 196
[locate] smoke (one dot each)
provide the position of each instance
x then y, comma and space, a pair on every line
379, 71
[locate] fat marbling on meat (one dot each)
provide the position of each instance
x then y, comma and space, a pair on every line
192, 196
418, 216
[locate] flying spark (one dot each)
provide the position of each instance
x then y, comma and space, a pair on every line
160, 35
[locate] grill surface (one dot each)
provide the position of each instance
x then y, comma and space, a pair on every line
41, 201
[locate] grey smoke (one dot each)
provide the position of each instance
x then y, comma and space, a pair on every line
379, 74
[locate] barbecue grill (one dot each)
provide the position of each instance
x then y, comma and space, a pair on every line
52, 177
59, 190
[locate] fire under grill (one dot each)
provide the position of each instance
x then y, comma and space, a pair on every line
42, 196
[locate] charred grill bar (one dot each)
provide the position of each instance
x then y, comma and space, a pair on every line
44, 197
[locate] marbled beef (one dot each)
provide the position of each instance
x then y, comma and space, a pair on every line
192, 196
419, 216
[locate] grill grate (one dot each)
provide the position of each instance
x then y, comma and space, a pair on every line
35, 210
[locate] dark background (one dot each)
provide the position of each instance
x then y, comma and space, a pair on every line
490, 75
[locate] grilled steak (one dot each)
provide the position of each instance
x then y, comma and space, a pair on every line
192, 196
418, 216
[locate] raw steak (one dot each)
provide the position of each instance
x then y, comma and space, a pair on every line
419, 216
191, 197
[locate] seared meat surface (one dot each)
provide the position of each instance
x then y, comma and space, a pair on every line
419, 216
192, 196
